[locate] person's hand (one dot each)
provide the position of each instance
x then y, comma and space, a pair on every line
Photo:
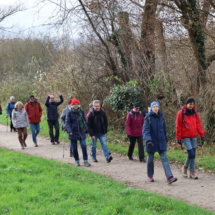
58, 92
7, 115
203, 140
70, 134
179, 142
49, 94
14, 126
93, 138
149, 143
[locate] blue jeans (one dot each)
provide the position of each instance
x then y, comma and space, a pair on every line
165, 163
190, 145
102, 139
35, 129
75, 149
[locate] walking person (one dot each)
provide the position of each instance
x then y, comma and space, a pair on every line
98, 127
187, 125
34, 111
134, 129
20, 122
9, 109
77, 129
63, 121
52, 116
154, 132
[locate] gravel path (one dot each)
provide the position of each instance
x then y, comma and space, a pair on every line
133, 173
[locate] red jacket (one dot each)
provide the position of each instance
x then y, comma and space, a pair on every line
34, 111
134, 124
193, 125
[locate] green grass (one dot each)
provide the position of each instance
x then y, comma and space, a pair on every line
118, 142
32, 185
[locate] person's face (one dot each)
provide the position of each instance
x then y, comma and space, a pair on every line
32, 99
75, 106
19, 106
137, 109
97, 106
12, 100
51, 98
155, 109
190, 105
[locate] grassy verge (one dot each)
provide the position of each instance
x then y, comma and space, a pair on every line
118, 142
32, 185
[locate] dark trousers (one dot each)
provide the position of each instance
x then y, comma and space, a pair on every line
140, 146
11, 124
22, 134
55, 124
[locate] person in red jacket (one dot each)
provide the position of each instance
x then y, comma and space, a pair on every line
34, 112
134, 128
187, 125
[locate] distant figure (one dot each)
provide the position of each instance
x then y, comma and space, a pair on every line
34, 112
52, 116
63, 121
134, 129
98, 128
20, 122
154, 132
187, 125
9, 109
77, 128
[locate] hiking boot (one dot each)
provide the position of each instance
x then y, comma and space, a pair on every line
71, 154
78, 163
184, 171
35, 144
53, 143
193, 175
171, 180
94, 160
22, 145
15, 130
143, 160
58, 142
109, 159
87, 164
150, 179
25, 144
130, 158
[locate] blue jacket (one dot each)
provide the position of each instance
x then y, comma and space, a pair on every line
10, 107
72, 126
52, 113
154, 130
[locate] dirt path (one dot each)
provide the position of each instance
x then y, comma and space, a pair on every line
133, 173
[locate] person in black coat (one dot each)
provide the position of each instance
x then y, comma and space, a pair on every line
52, 116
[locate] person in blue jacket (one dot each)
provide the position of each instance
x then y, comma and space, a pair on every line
154, 132
9, 109
77, 128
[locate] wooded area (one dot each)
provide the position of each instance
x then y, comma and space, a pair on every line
120, 51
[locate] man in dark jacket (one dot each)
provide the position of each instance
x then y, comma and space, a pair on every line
98, 125
52, 116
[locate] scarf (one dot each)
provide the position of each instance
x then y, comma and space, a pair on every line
20, 110
81, 121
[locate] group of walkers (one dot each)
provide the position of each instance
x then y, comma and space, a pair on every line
152, 128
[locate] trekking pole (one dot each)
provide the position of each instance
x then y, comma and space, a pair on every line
7, 124
64, 143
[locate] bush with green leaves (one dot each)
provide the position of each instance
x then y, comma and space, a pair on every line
122, 97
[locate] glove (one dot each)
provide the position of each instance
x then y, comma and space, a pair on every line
149, 143
203, 140
179, 142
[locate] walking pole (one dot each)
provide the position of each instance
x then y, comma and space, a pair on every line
64, 143
7, 124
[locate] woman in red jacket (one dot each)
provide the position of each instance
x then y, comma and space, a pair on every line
134, 128
187, 125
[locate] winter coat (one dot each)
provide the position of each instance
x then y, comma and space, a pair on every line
10, 107
188, 127
73, 127
97, 122
52, 113
0, 110
20, 120
34, 111
154, 130
134, 123
63, 115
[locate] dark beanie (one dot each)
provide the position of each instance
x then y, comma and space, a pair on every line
190, 100
31, 96
136, 104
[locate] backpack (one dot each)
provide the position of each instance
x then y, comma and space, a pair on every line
131, 114
183, 114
